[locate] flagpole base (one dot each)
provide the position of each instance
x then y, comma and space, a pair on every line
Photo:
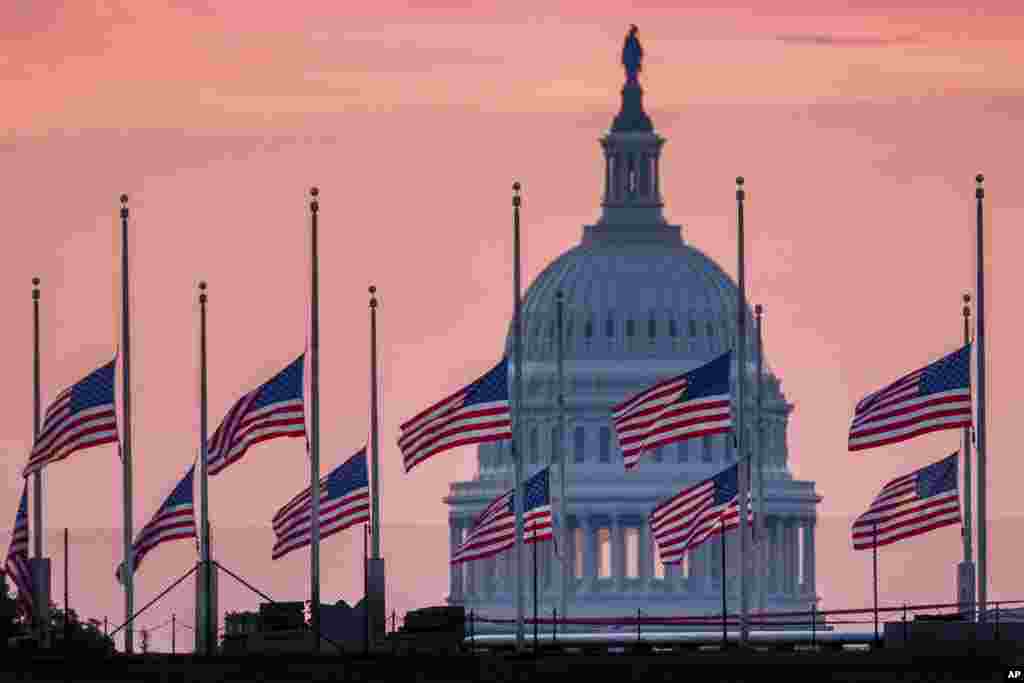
376, 600
40, 568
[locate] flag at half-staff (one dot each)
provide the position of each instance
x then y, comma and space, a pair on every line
82, 416
938, 396
697, 513
272, 410
344, 502
174, 519
696, 403
476, 413
494, 530
911, 505
16, 565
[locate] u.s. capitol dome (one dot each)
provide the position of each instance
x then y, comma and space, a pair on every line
640, 305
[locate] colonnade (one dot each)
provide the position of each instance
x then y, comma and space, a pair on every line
790, 571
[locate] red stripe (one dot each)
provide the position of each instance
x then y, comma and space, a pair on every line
858, 429
909, 435
420, 442
635, 455
908, 534
461, 442
404, 426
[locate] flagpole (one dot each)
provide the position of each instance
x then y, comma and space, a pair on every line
204, 510
314, 448
376, 563
968, 526
374, 481
40, 573
563, 505
741, 446
534, 544
126, 429
725, 613
517, 453
874, 551
979, 195
759, 523
37, 478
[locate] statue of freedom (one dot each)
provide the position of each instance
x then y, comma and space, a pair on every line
632, 55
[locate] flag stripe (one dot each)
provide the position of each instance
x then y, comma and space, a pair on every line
477, 413
694, 404
82, 416
933, 398
494, 530
911, 505
344, 502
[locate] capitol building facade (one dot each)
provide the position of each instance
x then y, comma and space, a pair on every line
640, 305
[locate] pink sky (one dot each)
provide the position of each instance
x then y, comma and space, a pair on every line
859, 132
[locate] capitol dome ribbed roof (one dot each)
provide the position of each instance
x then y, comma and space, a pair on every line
653, 297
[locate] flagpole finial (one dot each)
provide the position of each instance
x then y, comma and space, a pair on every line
740, 194
314, 204
35, 288
373, 298
516, 199
979, 192
124, 206
202, 290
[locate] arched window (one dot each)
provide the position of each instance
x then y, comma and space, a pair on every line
609, 327
579, 445
588, 328
630, 328
693, 328
606, 444
711, 330
673, 331
652, 327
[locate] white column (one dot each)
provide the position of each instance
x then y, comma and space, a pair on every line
645, 556
809, 587
709, 566
471, 571
455, 570
590, 553
617, 539
792, 555
569, 554
779, 543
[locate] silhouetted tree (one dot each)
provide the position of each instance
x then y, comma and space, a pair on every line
9, 625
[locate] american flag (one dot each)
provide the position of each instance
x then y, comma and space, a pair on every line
344, 502
696, 513
693, 404
175, 519
271, 410
494, 531
937, 396
82, 416
474, 414
17, 566
911, 505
